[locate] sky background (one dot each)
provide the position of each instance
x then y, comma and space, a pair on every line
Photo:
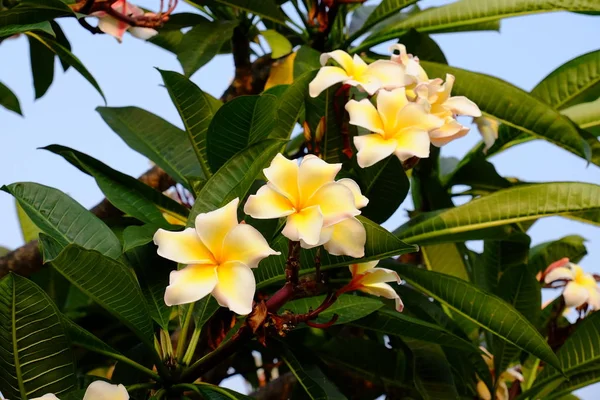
524, 51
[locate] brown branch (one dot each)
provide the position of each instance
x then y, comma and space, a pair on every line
277, 389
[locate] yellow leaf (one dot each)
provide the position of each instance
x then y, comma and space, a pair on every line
282, 72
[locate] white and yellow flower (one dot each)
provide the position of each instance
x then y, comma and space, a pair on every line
319, 210
97, 390
508, 376
412, 68
398, 127
488, 128
116, 28
381, 74
436, 94
580, 288
371, 280
219, 253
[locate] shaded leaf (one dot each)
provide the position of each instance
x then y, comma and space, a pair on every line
544, 254
8, 99
290, 105
349, 308
265, 8
42, 66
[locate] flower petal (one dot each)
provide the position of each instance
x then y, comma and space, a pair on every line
112, 26
142, 33
360, 201
183, 247
364, 114
47, 396
388, 105
448, 132
283, 177
313, 173
383, 290
483, 392
304, 225
389, 73
190, 284
361, 268
323, 238
341, 57
411, 143
380, 275
326, 77
246, 245
348, 239
559, 273
415, 115
236, 287
335, 201
594, 299
575, 294
213, 226
100, 390
372, 149
267, 203
460, 105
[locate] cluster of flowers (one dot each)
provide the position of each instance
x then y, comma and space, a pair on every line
580, 288
97, 390
411, 112
220, 252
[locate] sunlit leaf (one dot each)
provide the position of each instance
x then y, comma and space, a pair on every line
278, 43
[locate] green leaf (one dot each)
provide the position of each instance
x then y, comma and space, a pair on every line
204, 309
157, 139
61, 217
29, 230
213, 392
423, 45
380, 244
43, 26
82, 338
265, 8
135, 235
34, 349
585, 115
514, 107
278, 43
324, 106
235, 177
467, 12
152, 273
196, 110
522, 203
68, 57
486, 310
42, 66
349, 308
8, 99
384, 10
445, 258
26, 18
108, 282
202, 43
61, 38
290, 106
578, 381
240, 122
546, 253
307, 60
389, 322
126, 193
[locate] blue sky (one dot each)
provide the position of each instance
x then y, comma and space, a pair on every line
525, 50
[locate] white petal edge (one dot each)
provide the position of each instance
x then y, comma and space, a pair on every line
461, 105
384, 290
364, 114
236, 287
183, 247
267, 203
100, 390
326, 78
246, 245
348, 239
372, 149
190, 284
142, 33
575, 294
360, 201
559, 273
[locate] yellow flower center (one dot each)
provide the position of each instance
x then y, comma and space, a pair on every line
583, 279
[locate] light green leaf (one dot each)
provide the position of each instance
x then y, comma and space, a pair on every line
235, 177
514, 107
578, 381
240, 122
486, 310
126, 193
265, 8
348, 308
390, 322
157, 139
196, 110
61, 217
445, 258
278, 43
546, 253
290, 106
35, 358
68, 57
522, 203
384, 10
108, 282
202, 43
585, 115
8, 99
380, 244
29, 230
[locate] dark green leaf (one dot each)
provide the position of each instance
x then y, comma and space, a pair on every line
544, 254
61, 217
157, 139
7, 31
307, 60
42, 66
349, 308
239, 123
486, 310
265, 8
8, 99
290, 106
61, 38
202, 43
384, 10
34, 349
424, 46
135, 235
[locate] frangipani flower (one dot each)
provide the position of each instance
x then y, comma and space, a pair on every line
510, 375
98, 390
319, 210
412, 68
114, 27
219, 253
371, 280
436, 93
398, 127
488, 128
355, 72
580, 288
